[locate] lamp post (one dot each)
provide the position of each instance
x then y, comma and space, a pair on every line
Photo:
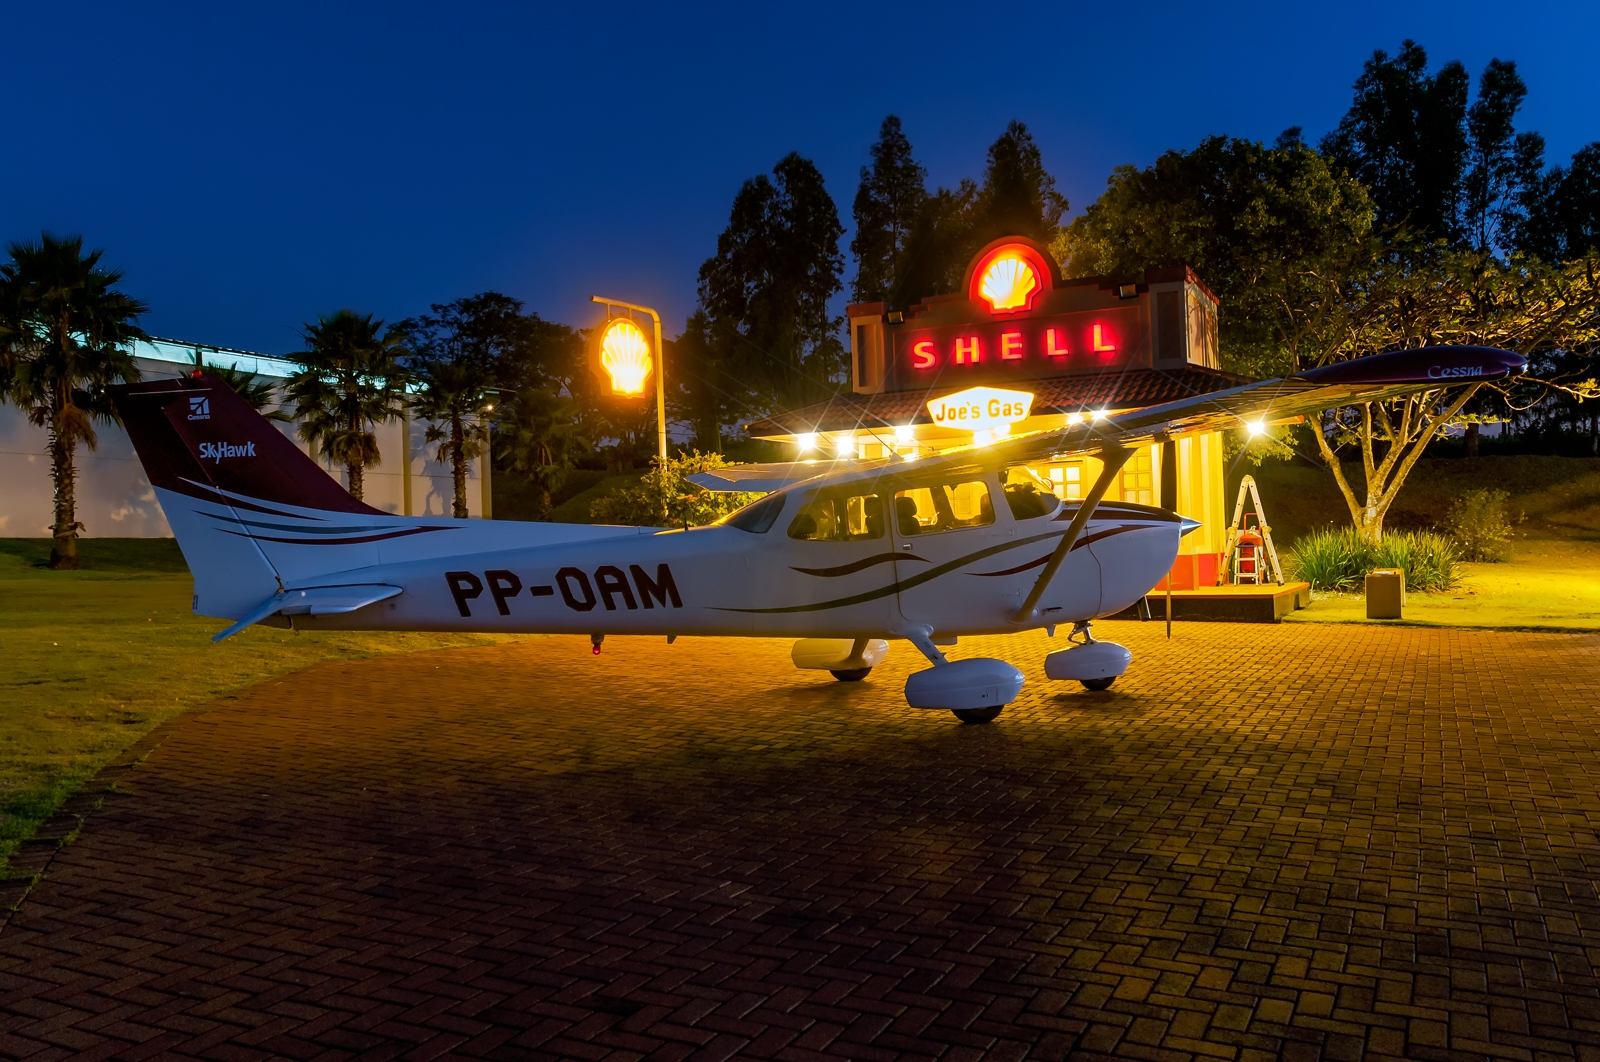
660, 368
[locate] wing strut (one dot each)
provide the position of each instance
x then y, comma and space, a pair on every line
1113, 457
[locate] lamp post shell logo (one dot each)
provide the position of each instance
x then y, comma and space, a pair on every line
625, 356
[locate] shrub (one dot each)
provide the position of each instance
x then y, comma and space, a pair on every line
1329, 559
1481, 525
1429, 559
665, 497
1339, 560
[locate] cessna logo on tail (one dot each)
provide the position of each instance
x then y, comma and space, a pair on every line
218, 451
199, 408
611, 587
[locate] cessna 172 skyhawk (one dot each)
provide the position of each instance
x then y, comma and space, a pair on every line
925, 550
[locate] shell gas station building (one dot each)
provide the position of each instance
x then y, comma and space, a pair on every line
1018, 349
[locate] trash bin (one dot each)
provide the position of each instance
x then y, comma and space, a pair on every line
1386, 593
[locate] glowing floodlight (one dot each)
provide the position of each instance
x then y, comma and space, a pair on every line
1256, 428
807, 441
1008, 281
625, 357
905, 433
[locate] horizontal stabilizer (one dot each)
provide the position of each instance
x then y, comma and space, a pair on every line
314, 601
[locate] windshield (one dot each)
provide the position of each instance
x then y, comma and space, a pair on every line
757, 517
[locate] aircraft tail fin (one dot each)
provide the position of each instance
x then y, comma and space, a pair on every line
222, 471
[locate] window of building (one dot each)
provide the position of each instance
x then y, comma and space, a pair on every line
943, 508
1066, 480
834, 519
1028, 494
1137, 479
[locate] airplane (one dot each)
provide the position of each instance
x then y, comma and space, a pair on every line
924, 550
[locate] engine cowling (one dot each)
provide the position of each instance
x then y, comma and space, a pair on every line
962, 684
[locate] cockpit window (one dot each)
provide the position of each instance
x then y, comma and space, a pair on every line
1027, 494
757, 517
943, 508
834, 519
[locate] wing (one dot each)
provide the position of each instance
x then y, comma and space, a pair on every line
1370, 379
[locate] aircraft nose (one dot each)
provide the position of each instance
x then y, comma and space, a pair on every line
1185, 525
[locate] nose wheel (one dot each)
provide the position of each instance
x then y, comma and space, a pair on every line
1095, 664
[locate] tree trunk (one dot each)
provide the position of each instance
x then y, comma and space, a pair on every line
1594, 434
458, 469
1472, 440
355, 471
546, 505
64, 545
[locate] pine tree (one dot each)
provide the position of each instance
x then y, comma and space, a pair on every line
888, 202
766, 290
1018, 197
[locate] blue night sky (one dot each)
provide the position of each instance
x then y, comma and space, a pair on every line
252, 168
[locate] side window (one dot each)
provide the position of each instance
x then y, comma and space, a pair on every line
839, 519
1028, 494
943, 508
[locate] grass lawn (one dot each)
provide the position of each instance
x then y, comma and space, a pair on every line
93, 659
1548, 584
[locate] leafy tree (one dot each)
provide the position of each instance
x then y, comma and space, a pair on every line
1562, 212
1405, 138
1270, 230
888, 204
940, 246
259, 394
705, 390
538, 435
665, 489
66, 331
457, 359
350, 379
766, 290
1412, 299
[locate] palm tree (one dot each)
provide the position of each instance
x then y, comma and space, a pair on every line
538, 435
65, 333
350, 378
456, 398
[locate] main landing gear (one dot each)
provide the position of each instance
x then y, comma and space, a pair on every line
975, 691
1095, 664
846, 659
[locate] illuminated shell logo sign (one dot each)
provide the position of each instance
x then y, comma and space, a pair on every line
625, 356
1008, 282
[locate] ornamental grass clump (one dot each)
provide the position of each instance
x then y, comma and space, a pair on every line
1340, 560
1481, 525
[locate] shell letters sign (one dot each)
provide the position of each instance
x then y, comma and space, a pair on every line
981, 408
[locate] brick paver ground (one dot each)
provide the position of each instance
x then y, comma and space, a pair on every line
1294, 841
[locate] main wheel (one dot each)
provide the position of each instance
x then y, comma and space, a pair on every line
1098, 684
978, 715
854, 674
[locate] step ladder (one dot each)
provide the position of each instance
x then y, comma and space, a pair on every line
1231, 558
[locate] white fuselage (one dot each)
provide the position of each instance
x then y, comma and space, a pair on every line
722, 580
